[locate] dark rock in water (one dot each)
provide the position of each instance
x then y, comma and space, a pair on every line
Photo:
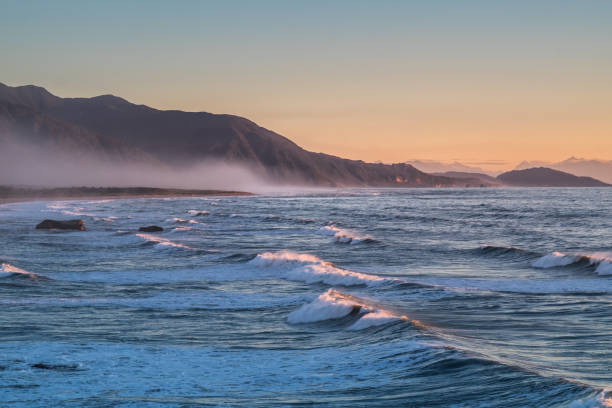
150, 228
78, 225
56, 367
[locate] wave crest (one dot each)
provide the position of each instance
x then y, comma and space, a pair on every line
601, 260
336, 305
602, 400
197, 213
11, 270
311, 269
330, 305
555, 259
163, 241
344, 236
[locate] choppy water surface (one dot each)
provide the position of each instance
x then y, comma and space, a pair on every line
425, 298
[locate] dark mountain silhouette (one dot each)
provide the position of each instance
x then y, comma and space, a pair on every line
545, 177
119, 129
46, 132
599, 169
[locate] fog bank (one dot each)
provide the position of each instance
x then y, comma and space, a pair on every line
27, 164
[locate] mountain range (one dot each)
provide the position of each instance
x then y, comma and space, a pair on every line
473, 179
113, 130
433, 167
118, 130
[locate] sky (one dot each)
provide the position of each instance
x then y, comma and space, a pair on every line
487, 83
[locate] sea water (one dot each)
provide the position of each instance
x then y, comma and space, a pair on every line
361, 298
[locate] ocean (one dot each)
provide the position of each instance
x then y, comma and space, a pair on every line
341, 298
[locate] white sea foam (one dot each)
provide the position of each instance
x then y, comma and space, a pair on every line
601, 260
343, 236
554, 259
311, 269
163, 241
375, 318
197, 212
57, 206
66, 209
335, 305
101, 201
182, 228
602, 400
8, 269
330, 305
178, 220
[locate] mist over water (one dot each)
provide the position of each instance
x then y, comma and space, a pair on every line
23, 163
405, 297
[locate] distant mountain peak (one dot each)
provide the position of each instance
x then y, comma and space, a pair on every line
596, 168
547, 177
32, 96
109, 98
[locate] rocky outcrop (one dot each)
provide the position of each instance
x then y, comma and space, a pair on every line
77, 225
151, 228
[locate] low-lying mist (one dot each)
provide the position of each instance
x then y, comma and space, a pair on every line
27, 164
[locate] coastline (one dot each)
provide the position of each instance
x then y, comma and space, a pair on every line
18, 194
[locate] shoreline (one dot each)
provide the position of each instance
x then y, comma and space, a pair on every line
10, 195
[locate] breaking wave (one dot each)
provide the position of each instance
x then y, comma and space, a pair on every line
197, 213
336, 305
7, 270
602, 261
602, 400
311, 269
64, 208
375, 318
163, 241
344, 236
555, 259
183, 228
330, 305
